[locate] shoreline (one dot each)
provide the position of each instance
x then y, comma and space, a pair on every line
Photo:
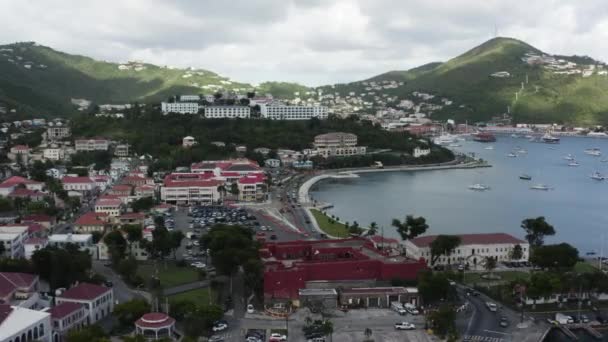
303, 191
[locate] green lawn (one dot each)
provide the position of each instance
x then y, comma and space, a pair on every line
585, 267
169, 274
198, 296
506, 276
334, 229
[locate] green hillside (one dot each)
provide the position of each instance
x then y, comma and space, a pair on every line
55, 77
465, 80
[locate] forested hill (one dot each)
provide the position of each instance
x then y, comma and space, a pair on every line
481, 82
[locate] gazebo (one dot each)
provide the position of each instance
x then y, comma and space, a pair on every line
155, 325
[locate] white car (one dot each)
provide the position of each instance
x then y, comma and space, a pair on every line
220, 327
198, 264
277, 337
404, 326
250, 309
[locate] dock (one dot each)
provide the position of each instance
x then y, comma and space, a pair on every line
566, 330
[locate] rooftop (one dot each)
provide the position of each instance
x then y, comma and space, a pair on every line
10, 281
317, 292
85, 291
64, 309
155, 320
70, 238
472, 239
14, 319
76, 180
91, 219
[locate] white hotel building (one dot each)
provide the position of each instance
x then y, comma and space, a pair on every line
473, 249
283, 112
179, 107
228, 112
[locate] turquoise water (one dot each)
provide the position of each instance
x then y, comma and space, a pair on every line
577, 205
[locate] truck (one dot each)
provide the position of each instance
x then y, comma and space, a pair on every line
563, 319
398, 308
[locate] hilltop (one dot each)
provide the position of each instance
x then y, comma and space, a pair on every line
477, 85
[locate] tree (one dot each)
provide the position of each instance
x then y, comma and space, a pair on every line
117, 245
373, 229
2, 248
91, 333
411, 227
143, 204
442, 321
234, 189
162, 244
490, 263
542, 284
176, 237
130, 311
201, 319
517, 252
433, 287
443, 245
134, 233
61, 267
560, 256
536, 230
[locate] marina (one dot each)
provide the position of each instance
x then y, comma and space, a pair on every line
573, 199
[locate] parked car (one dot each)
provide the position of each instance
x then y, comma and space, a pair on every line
220, 327
404, 326
277, 337
504, 322
250, 309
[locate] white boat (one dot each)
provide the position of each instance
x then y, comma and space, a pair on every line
528, 136
574, 164
512, 155
444, 139
569, 157
597, 176
479, 187
604, 160
593, 152
514, 135
540, 187
454, 145
521, 150
549, 139
489, 147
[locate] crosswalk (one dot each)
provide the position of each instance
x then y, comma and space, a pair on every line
483, 338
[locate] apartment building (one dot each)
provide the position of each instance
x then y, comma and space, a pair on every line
13, 239
179, 107
57, 131
121, 150
227, 112
337, 144
91, 222
93, 144
78, 184
113, 207
283, 112
190, 188
67, 316
53, 153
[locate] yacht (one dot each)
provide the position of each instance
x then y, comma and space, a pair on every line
574, 163
597, 176
512, 155
479, 187
569, 157
525, 176
454, 145
540, 187
549, 139
604, 160
492, 147
444, 139
514, 135
521, 150
593, 152
529, 136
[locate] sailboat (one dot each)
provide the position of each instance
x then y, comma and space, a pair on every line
597, 176
574, 163
540, 186
525, 176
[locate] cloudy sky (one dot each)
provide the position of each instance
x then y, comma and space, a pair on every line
308, 41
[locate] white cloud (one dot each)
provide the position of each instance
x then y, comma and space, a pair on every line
308, 41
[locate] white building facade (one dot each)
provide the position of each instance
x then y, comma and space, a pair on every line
473, 249
91, 145
227, 112
179, 107
283, 112
23, 325
337, 144
98, 300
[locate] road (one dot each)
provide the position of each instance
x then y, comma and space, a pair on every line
122, 292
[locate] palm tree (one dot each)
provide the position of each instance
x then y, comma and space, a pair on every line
411, 227
373, 229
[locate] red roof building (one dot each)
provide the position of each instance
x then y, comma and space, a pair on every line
78, 183
98, 299
91, 222
289, 265
42, 219
473, 250
67, 316
13, 282
33, 195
